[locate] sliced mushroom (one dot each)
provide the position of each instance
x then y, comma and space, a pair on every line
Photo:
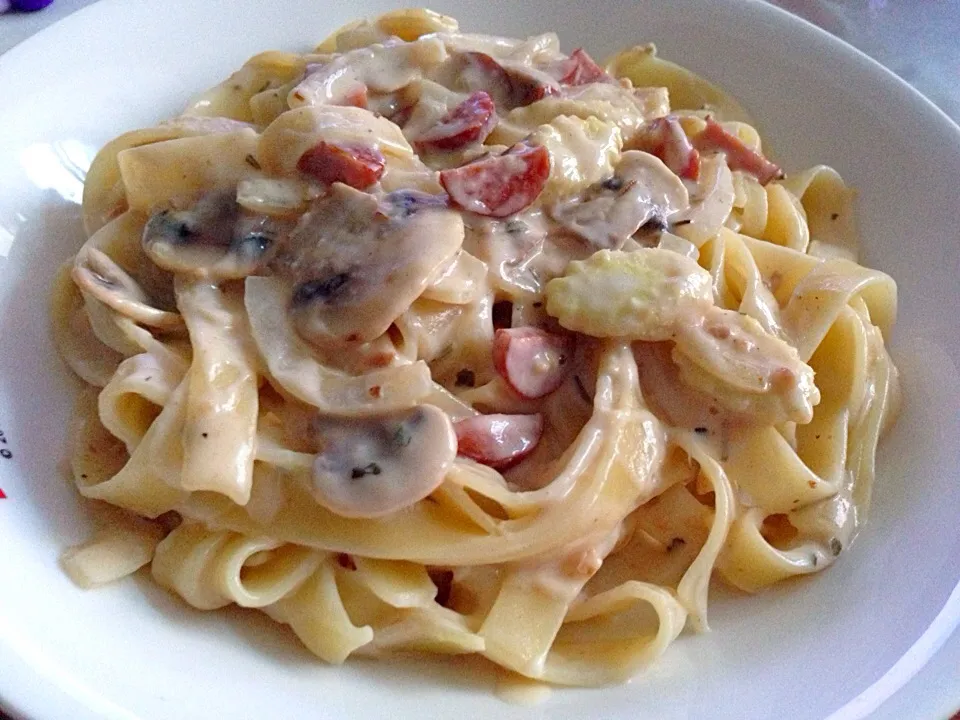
105, 196
642, 189
357, 263
98, 275
373, 467
214, 239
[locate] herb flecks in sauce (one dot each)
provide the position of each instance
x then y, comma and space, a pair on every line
369, 467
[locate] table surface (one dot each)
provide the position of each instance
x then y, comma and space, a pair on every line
918, 40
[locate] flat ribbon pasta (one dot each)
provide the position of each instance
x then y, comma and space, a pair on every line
447, 343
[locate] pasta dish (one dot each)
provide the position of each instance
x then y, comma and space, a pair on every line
428, 341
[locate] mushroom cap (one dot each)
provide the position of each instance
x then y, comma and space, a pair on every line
642, 189
372, 467
357, 263
213, 239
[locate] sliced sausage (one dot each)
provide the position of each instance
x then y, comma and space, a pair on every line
499, 185
511, 85
499, 441
739, 157
581, 69
664, 137
469, 122
358, 166
534, 362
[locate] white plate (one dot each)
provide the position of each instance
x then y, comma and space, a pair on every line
838, 644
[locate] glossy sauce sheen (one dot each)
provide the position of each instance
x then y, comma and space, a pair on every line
489, 351
560, 194
463, 86
371, 214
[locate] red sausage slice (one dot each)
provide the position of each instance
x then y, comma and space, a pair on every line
402, 116
534, 362
469, 122
739, 156
358, 166
498, 440
581, 69
331, 83
499, 185
510, 85
664, 137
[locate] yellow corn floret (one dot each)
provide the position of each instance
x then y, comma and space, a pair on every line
641, 295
